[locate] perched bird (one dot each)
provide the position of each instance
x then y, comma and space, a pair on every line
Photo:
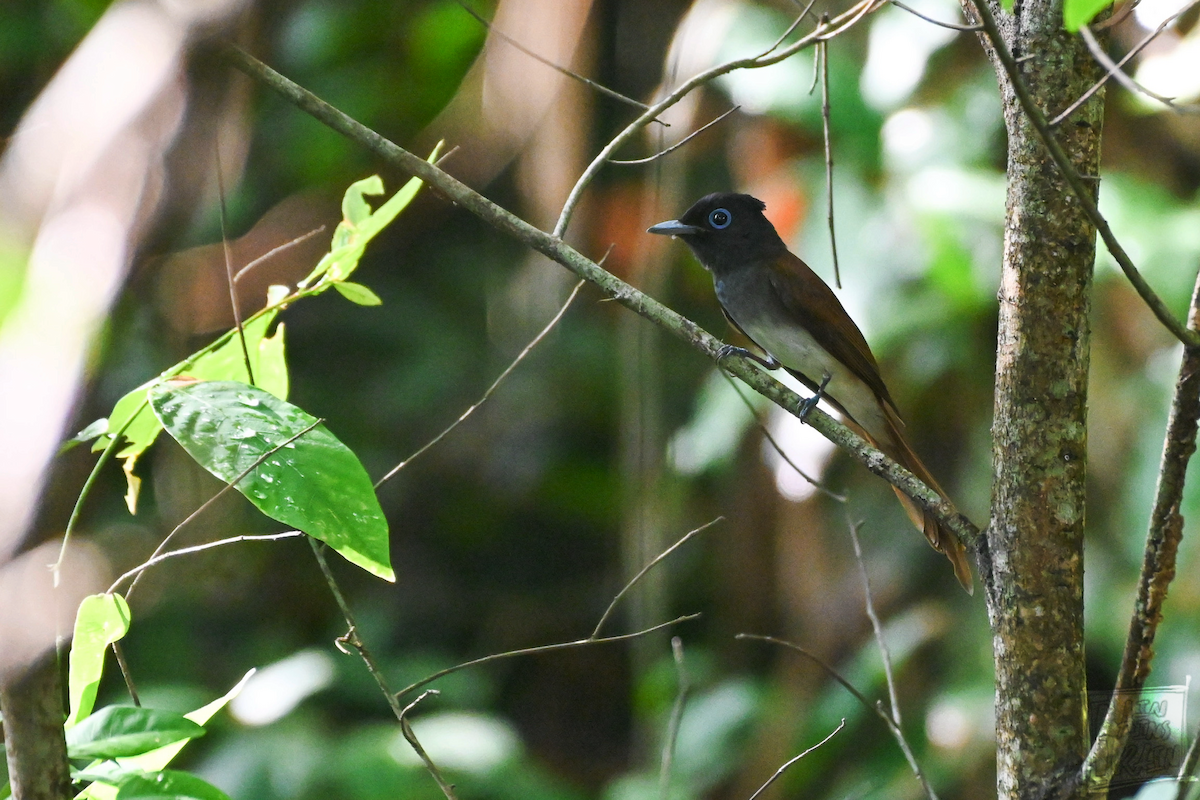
782, 306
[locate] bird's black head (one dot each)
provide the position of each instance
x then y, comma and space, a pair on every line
726, 231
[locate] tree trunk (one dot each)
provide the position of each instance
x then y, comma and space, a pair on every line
1040, 429
33, 733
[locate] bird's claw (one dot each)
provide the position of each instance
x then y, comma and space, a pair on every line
809, 404
729, 350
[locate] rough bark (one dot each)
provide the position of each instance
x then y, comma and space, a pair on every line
1040, 427
33, 733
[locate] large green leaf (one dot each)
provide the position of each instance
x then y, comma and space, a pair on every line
360, 225
102, 620
159, 758
168, 785
315, 483
225, 362
118, 731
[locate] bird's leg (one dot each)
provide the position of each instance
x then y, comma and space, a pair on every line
733, 350
811, 403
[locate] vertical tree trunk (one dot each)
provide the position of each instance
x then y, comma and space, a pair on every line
33, 732
1040, 426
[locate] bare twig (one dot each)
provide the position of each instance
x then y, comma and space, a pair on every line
951, 25
604, 90
119, 652
1129, 83
674, 147
642, 573
544, 648
876, 708
681, 693
766, 432
446, 787
229, 279
200, 548
794, 759
495, 385
1187, 769
137, 572
824, 48
1158, 563
791, 28
304, 237
1082, 193
1117, 66
876, 626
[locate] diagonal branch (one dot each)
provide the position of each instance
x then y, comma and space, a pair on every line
559, 251
1190, 338
1158, 563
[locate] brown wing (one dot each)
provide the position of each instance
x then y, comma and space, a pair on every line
809, 299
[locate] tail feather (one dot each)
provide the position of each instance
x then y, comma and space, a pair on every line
894, 444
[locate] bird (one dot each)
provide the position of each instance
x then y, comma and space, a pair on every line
776, 300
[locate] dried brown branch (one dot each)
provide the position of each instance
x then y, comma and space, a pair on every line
951, 25
1112, 70
674, 147
1129, 83
1190, 338
876, 626
490, 390
794, 759
274, 251
1158, 564
875, 708
823, 49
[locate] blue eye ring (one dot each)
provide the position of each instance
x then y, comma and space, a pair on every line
719, 218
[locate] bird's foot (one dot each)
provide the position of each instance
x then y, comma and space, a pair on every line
729, 350
811, 403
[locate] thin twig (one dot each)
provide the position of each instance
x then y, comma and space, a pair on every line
642, 572
876, 708
876, 626
119, 652
224, 489
1129, 83
681, 693
304, 237
1081, 191
790, 28
200, 548
824, 46
674, 147
1164, 533
1117, 66
604, 90
446, 787
951, 25
229, 279
766, 432
544, 648
794, 759
495, 385
1188, 768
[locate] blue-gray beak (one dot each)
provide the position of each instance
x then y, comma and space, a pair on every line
673, 227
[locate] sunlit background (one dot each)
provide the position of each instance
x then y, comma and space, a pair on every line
611, 441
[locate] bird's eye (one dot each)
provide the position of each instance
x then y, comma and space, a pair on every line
719, 218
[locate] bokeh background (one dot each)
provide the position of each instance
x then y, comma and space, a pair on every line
611, 441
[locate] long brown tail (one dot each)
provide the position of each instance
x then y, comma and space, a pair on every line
942, 539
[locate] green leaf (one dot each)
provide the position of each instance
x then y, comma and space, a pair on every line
1007, 5
360, 225
102, 620
117, 731
1077, 13
224, 362
357, 293
315, 483
168, 785
97, 428
158, 759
